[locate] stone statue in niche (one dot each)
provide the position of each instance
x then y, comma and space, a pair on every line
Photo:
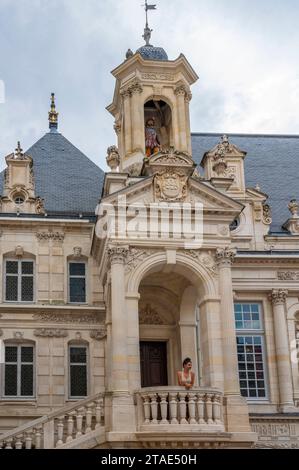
158, 128
152, 143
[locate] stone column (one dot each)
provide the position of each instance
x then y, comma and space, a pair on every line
132, 301
122, 405
180, 92
278, 298
127, 121
119, 356
224, 259
236, 412
137, 120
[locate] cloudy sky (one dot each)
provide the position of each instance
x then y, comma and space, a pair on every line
245, 52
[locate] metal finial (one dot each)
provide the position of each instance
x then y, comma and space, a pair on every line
19, 152
53, 114
147, 31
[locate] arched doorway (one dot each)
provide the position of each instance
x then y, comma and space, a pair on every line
168, 327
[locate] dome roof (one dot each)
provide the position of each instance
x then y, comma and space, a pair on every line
152, 53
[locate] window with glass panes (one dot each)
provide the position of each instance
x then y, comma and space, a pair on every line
19, 281
19, 371
250, 347
77, 282
78, 371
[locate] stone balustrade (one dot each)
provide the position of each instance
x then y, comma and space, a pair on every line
58, 428
174, 406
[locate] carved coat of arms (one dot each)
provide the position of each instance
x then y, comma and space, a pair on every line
171, 186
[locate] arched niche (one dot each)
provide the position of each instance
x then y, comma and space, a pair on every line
158, 126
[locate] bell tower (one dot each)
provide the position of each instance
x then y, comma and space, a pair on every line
151, 104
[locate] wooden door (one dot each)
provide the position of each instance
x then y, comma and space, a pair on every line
153, 362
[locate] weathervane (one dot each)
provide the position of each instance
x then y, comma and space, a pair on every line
147, 31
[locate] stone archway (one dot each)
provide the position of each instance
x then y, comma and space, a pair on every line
162, 303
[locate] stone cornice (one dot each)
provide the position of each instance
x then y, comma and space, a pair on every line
39, 308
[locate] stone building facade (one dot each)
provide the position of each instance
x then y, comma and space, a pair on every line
96, 319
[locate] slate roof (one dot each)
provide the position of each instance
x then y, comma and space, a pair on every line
64, 177
70, 183
272, 161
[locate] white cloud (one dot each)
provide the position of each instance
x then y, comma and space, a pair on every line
244, 52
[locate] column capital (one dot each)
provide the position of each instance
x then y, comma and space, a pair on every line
225, 256
131, 88
188, 96
181, 90
135, 87
125, 92
278, 296
117, 254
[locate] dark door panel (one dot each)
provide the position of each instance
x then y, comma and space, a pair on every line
153, 361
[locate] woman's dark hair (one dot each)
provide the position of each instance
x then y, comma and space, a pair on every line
186, 361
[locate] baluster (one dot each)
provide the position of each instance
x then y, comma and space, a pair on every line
216, 400
200, 409
191, 408
70, 427
99, 409
209, 410
60, 427
173, 408
183, 408
164, 406
38, 437
28, 440
79, 420
146, 409
8, 443
19, 442
88, 417
154, 408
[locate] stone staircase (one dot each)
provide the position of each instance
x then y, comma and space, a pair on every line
75, 426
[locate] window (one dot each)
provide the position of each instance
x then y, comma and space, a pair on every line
250, 347
19, 371
78, 371
77, 282
19, 281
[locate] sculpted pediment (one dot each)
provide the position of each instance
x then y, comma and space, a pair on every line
173, 186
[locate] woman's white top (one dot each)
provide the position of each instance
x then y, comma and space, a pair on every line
184, 379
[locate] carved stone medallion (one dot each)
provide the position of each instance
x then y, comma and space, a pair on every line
171, 186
